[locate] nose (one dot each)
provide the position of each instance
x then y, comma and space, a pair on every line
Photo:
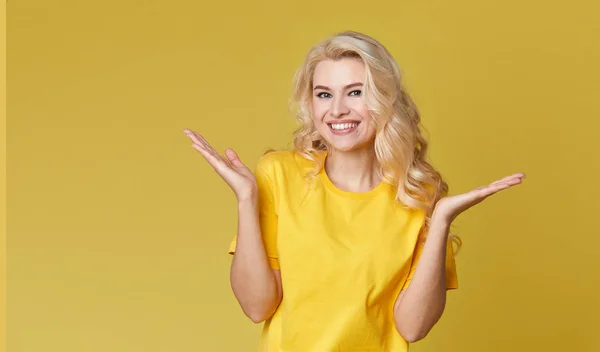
339, 108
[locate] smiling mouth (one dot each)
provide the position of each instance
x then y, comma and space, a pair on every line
343, 128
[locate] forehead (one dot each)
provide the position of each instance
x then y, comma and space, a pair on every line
338, 73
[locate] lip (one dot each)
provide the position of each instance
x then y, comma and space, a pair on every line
343, 132
342, 121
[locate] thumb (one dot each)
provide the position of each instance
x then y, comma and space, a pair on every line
234, 158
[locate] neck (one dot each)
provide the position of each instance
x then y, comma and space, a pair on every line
353, 171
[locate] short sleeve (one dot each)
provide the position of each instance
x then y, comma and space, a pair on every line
267, 212
451, 275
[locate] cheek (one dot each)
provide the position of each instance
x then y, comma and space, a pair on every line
318, 110
371, 131
360, 108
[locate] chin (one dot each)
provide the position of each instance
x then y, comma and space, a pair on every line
346, 147
347, 143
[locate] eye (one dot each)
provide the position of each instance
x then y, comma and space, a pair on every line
324, 95
355, 93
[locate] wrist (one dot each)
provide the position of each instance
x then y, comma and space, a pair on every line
247, 195
249, 200
440, 222
441, 217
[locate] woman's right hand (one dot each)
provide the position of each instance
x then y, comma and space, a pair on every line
230, 168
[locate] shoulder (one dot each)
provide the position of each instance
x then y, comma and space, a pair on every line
281, 162
272, 158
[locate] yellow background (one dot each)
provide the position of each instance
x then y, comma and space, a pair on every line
3, 177
118, 230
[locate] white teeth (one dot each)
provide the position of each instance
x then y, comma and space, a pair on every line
343, 126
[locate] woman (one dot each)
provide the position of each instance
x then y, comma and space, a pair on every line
331, 250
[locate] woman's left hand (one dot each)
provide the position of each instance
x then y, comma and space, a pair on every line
449, 208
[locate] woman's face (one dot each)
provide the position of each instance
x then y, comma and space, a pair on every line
338, 109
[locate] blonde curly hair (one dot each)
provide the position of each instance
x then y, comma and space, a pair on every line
400, 147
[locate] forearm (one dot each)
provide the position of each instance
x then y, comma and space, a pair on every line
252, 279
422, 303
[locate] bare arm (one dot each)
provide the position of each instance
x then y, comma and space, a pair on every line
419, 307
256, 286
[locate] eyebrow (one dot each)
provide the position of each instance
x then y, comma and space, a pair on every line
357, 84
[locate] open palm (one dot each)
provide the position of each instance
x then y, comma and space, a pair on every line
448, 208
230, 168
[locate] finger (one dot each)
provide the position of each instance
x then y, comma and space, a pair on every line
221, 165
238, 165
210, 157
220, 160
192, 135
200, 141
206, 150
487, 191
511, 182
507, 179
234, 158
519, 175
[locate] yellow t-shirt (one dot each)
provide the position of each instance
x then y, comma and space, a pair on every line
344, 258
